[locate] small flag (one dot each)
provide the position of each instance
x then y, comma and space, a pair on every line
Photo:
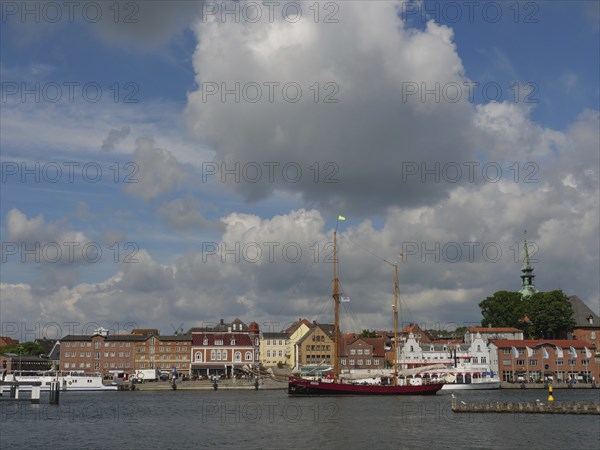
588, 354
345, 299
573, 352
529, 351
559, 352
515, 352
341, 218
546, 355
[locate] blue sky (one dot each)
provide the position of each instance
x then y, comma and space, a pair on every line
163, 134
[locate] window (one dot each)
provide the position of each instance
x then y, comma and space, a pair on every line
506, 351
359, 351
205, 341
268, 353
559, 362
161, 349
238, 356
483, 360
68, 344
218, 355
376, 361
218, 341
268, 341
120, 354
152, 340
367, 351
572, 362
585, 362
280, 342
66, 365
343, 361
368, 362
198, 356
248, 356
232, 341
593, 335
96, 345
479, 348
280, 353
112, 354
224, 354
351, 362
533, 362
506, 362
360, 362
213, 355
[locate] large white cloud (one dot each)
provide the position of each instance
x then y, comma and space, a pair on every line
370, 61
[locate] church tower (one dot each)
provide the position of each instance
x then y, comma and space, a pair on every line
527, 283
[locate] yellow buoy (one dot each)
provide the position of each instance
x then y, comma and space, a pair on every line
550, 398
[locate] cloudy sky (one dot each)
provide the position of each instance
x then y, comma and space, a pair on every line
167, 164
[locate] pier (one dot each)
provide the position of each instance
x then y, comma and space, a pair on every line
538, 407
35, 390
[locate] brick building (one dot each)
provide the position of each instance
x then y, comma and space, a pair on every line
527, 360
358, 353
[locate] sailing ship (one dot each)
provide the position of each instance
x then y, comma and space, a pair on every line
298, 386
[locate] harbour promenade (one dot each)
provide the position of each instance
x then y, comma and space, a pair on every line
506, 385
207, 385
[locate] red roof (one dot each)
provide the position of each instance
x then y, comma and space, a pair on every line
563, 343
241, 339
494, 330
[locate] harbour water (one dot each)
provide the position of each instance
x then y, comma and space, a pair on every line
270, 419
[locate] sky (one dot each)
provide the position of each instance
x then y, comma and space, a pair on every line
169, 164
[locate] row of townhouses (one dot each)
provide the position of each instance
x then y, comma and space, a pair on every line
225, 348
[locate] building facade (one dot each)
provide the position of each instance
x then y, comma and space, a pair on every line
534, 360
274, 349
489, 333
216, 353
360, 353
316, 347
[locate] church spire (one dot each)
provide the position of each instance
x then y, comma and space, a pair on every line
527, 276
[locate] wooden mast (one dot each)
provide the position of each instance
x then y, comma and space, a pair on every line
336, 301
395, 346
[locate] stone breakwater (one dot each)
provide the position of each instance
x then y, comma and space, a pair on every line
527, 407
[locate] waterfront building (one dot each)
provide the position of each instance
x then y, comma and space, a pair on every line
163, 353
296, 332
472, 359
274, 348
489, 333
316, 347
12, 362
361, 354
224, 348
532, 360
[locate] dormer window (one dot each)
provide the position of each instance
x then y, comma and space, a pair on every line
205, 341
218, 341
591, 320
232, 341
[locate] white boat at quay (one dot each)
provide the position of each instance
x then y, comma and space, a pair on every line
68, 381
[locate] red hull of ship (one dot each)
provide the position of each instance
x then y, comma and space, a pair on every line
301, 387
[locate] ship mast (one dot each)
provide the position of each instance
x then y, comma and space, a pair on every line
336, 301
396, 295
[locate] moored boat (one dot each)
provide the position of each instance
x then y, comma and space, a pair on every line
68, 381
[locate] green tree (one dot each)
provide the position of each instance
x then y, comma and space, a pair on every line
550, 315
25, 349
503, 309
369, 334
